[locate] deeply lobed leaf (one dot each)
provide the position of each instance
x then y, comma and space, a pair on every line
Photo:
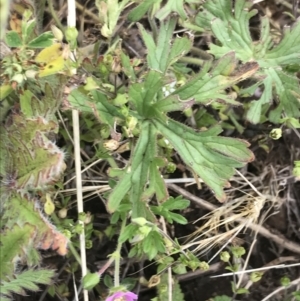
27, 280
213, 158
22, 210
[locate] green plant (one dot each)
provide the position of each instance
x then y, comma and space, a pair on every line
30, 165
275, 77
127, 103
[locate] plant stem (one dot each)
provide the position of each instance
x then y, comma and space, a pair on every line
201, 53
112, 162
39, 10
55, 17
117, 256
191, 60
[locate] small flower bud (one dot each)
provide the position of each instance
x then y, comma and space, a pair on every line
58, 34
62, 213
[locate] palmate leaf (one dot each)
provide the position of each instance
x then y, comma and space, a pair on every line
34, 160
212, 157
27, 280
231, 28
22, 210
31, 159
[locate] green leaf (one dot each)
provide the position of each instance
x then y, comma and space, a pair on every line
162, 291
172, 204
157, 184
27, 280
5, 90
181, 46
119, 192
254, 112
136, 175
27, 29
176, 204
287, 51
165, 53
172, 6
13, 245
13, 39
291, 122
129, 231
44, 40
213, 158
144, 153
206, 87
107, 280
90, 280
153, 244
109, 12
158, 54
23, 210
36, 161
238, 252
143, 95
177, 218
127, 68
286, 87
138, 12
25, 103
242, 291
285, 281
231, 30
97, 104
256, 276
179, 269
172, 103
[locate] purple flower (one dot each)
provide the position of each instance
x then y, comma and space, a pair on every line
122, 296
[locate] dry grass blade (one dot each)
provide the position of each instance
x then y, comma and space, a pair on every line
227, 216
289, 245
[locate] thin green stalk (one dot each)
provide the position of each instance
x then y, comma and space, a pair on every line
117, 256
54, 16
112, 163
